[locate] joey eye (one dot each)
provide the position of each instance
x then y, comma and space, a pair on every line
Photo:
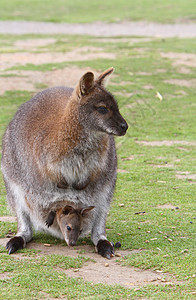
68, 228
102, 110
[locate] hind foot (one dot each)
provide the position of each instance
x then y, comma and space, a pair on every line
15, 244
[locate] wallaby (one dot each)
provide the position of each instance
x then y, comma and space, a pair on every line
60, 145
72, 222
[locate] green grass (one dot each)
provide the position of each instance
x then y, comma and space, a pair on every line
90, 11
144, 187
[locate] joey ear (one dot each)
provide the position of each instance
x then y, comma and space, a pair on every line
85, 85
105, 76
84, 211
67, 209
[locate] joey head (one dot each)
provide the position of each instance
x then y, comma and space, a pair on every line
70, 221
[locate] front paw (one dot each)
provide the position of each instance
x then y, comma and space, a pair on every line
105, 248
50, 218
80, 186
62, 184
15, 244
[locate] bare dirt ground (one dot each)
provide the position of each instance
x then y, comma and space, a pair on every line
9, 60
33, 80
186, 59
165, 143
167, 206
100, 270
100, 29
182, 82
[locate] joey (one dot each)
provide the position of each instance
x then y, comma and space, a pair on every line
71, 222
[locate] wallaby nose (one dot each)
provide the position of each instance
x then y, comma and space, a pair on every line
124, 126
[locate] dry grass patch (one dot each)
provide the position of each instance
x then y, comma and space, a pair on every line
182, 82
165, 143
5, 276
122, 83
33, 44
30, 80
186, 59
9, 219
9, 60
122, 171
163, 166
167, 206
130, 41
131, 157
185, 175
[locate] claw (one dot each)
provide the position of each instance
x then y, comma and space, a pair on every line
117, 245
47, 224
108, 256
105, 248
10, 251
14, 244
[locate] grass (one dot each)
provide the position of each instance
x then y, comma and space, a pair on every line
148, 182
90, 11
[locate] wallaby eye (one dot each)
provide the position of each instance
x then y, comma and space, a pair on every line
102, 110
68, 228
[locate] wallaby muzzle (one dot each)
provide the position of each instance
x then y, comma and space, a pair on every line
123, 127
119, 125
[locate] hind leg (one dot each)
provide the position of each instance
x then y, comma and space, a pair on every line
16, 199
98, 233
23, 236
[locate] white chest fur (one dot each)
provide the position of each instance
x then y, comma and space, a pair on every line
84, 160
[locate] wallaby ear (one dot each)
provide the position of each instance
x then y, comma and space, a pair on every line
104, 77
68, 210
84, 211
85, 85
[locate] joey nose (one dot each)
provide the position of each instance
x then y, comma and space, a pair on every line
72, 243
